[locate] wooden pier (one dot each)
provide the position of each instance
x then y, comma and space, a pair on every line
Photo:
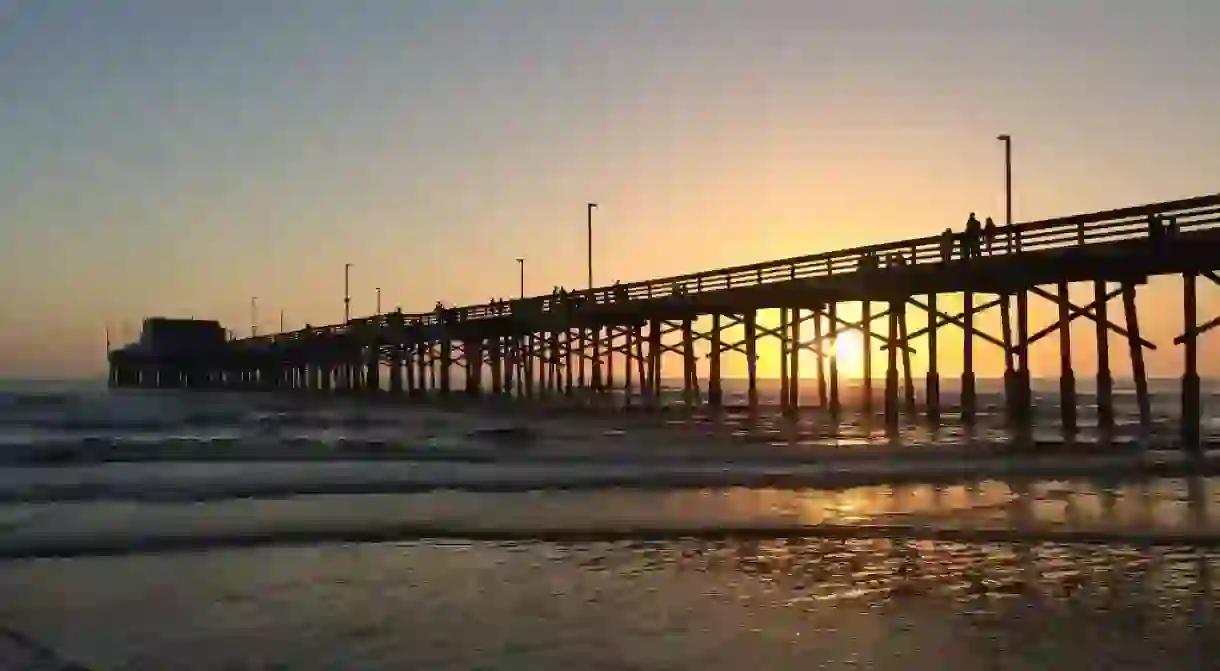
609, 342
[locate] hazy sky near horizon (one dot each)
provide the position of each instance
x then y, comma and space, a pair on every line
177, 157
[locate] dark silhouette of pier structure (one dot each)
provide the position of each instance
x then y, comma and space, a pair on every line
610, 340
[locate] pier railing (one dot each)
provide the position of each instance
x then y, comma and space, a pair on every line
1080, 230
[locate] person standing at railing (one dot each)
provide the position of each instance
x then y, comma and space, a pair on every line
946, 245
1155, 232
989, 233
971, 237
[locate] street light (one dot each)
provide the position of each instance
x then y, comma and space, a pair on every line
521, 266
281, 321
1007, 140
347, 294
378, 301
589, 212
253, 316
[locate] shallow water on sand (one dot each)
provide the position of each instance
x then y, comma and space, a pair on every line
655, 605
609, 541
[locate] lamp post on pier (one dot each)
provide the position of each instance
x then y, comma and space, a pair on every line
1019, 390
347, 294
589, 221
253, 316
1007, 140
378, 301
521, 268
597, 363
281, 321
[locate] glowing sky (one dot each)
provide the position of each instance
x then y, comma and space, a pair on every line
177, 157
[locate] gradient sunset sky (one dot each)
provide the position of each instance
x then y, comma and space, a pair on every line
177, 157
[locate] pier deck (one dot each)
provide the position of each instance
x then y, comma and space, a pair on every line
573, 343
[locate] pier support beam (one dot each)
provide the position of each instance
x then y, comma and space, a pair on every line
597, 358
690, 376
866, 320
396, 361
410, 383
607, 380
1023, 407
794, 365
715, 394
569, 382
908, 382
475, 361
373, 373
1067, 376
967, 400
785, 396
641, 366
510, 353
1105, 382
1138, 372
821, 360
891, 368
529, 363
630, 363
1190, 372
496, 345
654, 361
833, 365
751, 337
1010, 373
446, 364
932, 386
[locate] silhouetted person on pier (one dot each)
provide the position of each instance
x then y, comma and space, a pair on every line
1156, 232
620, 292
946, 245
971, 237
989, 234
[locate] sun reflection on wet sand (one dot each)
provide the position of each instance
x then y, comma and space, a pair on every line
722, 604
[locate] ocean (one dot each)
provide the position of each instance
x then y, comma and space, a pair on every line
174, 530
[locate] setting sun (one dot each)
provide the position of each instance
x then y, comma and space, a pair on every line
849, 349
